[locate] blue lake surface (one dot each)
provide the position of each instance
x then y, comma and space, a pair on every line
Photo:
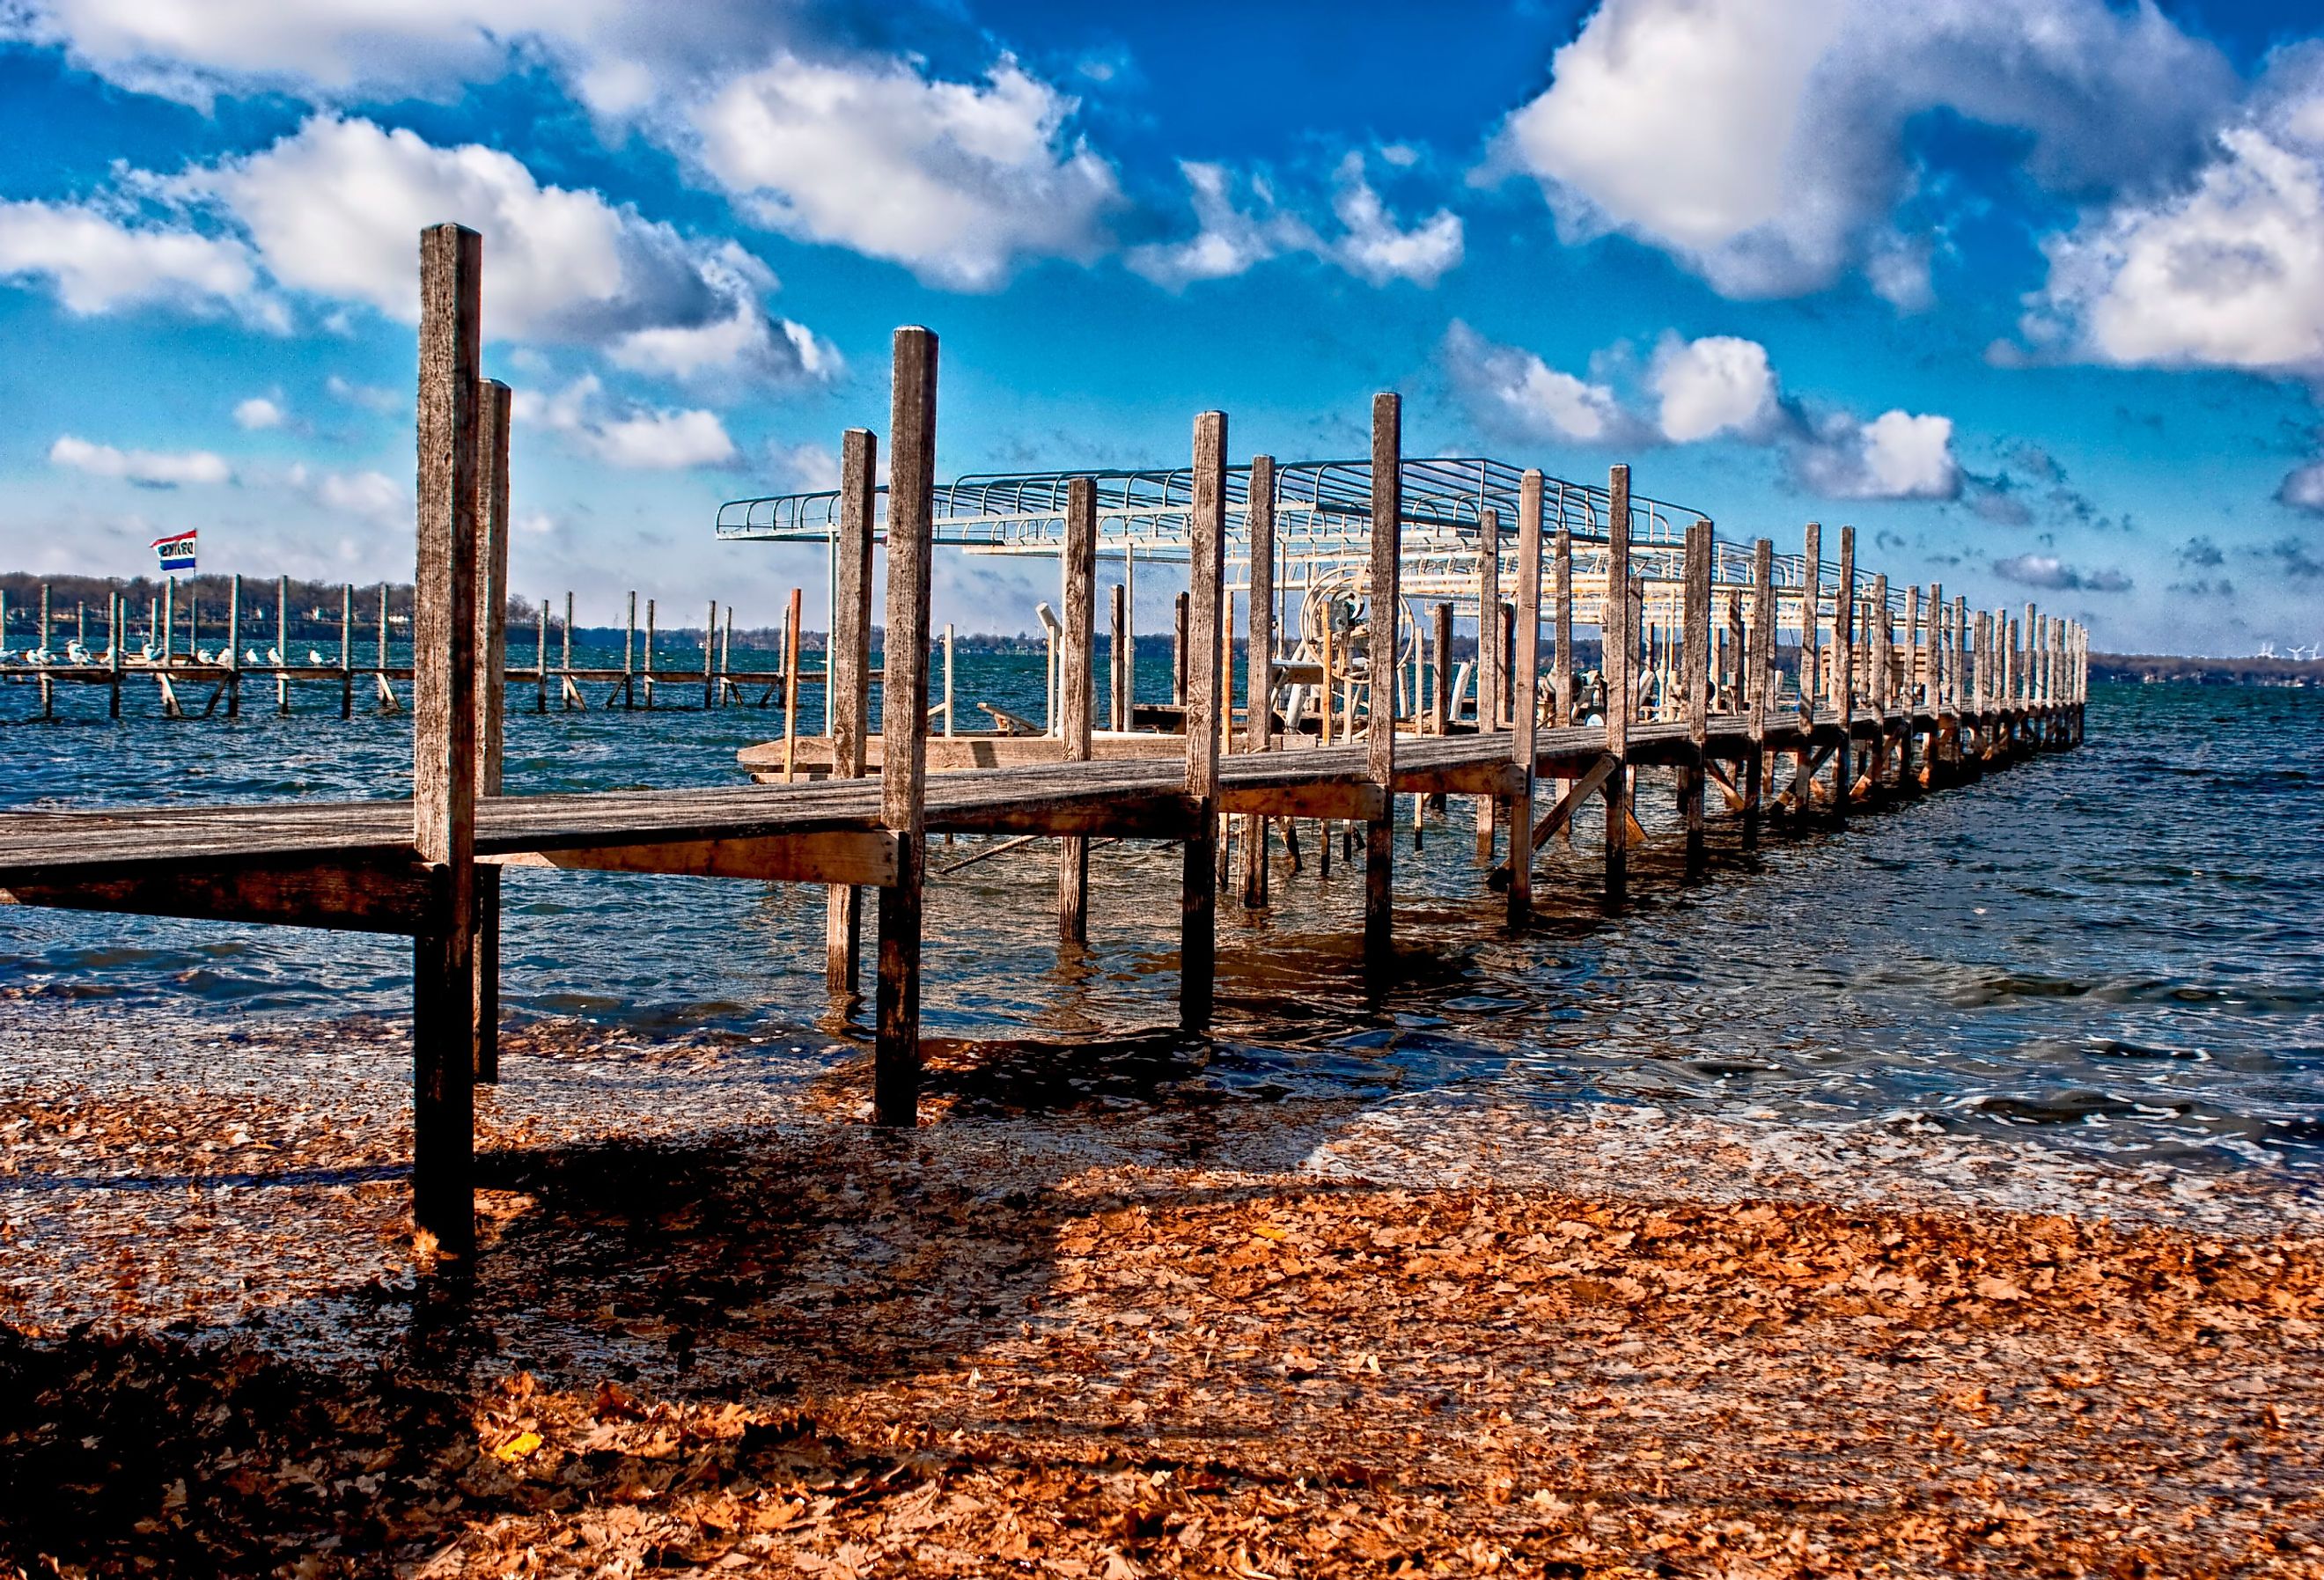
2118, 948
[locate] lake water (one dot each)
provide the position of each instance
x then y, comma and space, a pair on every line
2117, 947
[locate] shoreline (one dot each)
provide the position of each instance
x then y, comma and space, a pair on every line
719, 1323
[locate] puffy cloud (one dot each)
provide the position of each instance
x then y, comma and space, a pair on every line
370, 397
98, 264
2226, 269
1234, 235
2302, 488
956, 182
1720, 387
1717, 384
371, 497
259, 411
146, 468
336, 209
1897, 454
1763, 143
625, 434
1514, 394
2049, 571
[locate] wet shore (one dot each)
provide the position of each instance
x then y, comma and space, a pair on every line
720, 1326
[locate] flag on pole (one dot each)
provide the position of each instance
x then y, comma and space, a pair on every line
176, 552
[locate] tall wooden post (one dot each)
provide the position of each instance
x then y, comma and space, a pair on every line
1179, 650
167, 620
1388, 538
849, 664
281, 644
1694, 662
540, 662
1206, 530
1078, 692
1617, 644
347, 651
1118, 660
710, 658
1258, 663
1758, 683
1878, 638
1915, 687
113, 659
1843, 673
904, 722
444, 735
233, 642
1524, 712
1489, 661
790, 684
646, 655
492, 706
1439, 687
629, 656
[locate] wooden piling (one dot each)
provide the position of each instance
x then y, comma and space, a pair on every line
1758, 683
1695, 685
1843, 673
1178, 651
710, 656
282, 644
1258, 664
1617, 645
540, 663
347, 651
790, 683
1524, 712
1206, 530
492, 704
903, 722
629, 657
1811, 684
115, 641
1078, 692
1118, 660
444, 756
1488, 662
1387, 556
848, 663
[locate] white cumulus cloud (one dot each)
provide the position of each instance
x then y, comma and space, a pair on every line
146, 468
96, 262
624, 434
958, 181
1240, 224
1717, 384
259, 411
1763, 142
1514, 394
1898, 454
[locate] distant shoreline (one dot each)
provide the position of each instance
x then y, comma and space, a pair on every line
2153, 668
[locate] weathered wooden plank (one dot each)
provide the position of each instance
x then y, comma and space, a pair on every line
1206, 530
368, 897
444, 715
850, 857
1385, 604
1334, 799
903, 766
848, 668
1258, 661
1076, 688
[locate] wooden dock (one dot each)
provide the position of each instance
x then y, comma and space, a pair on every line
1883, 712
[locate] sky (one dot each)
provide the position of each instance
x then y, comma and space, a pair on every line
2030, 292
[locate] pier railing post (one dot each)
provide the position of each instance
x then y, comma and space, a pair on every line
1843, 675
1077, 685
444, 732
492, 709
1489, 661
710, 658
1524, 713
1694, 661
903, 722
1915, 669
848, 662
1385, 607
1258, 663
1758, 683
1206, 536
1618, 638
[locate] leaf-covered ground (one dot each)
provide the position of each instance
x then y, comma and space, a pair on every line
1243, 1341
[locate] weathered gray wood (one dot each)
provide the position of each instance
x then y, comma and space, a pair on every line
384, 896
1617, 644
491, 694
1178, 651
347, 651
1758, 683
443, 720
1076, 689
1489, 659
1118, 658
1258, 665
903, 722
1694, 664
849, 667
1843, 673
1385, 602
1206, 534
1524, 713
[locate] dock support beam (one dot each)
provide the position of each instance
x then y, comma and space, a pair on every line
1259, 658
1758, 684
848, 664
1524, 711
444, 740
1619, 649
1843, 675
1206, 695
904, 724
1385, 607
1077, 687
492, 700
1489, 661
1695, 660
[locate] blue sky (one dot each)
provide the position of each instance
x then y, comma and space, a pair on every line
2032, 291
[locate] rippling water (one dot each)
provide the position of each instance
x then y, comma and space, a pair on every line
2118, 945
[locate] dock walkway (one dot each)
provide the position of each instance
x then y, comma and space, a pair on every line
1952, 697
